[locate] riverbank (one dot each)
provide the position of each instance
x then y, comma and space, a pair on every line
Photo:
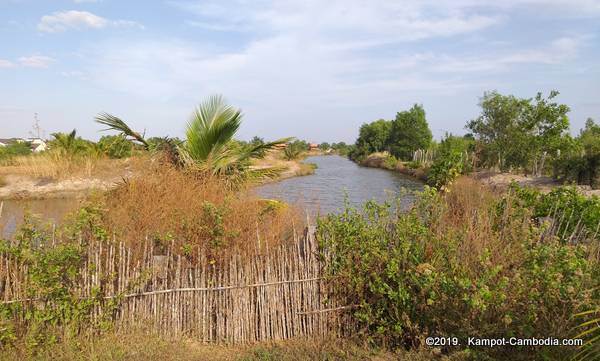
19, 183
495, 180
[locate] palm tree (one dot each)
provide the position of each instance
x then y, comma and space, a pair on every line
67, 143
209, 144
117, 124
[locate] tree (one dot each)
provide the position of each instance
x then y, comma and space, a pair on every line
69, 143
373, 136
409, 132
209, 146
324, 146
209, 142
115, 146
580, 162
519, 133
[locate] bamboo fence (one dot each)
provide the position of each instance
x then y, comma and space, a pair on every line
275, 295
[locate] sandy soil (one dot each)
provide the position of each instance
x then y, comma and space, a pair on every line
544, 184
23, 186
291, 168
14, 185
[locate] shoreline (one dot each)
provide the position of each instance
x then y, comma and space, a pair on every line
492, 179
15, 186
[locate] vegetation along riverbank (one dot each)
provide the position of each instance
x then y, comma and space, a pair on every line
178, 261
525, 140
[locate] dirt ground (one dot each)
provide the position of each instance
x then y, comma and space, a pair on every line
16, 184
544, 184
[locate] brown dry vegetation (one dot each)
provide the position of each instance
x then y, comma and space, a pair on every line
468, 218
141, 346
58, 166
169, 205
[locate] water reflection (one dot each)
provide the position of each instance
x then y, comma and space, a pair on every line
338, 178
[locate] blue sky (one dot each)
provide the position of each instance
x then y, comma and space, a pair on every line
311, 69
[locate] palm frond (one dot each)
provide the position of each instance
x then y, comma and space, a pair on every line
258, 150
590, 350
119, 125
211, 127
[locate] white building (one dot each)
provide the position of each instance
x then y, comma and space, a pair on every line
36, 144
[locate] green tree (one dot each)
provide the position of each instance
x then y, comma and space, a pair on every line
324, 146
519, 133
409, 132
579, 159
373, 136
115, 146
210, 144
69, 143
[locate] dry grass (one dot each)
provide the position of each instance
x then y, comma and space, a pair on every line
468, 218
306, 169
58, 166
140, 346
169, 205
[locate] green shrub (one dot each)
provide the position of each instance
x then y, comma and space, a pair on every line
13, 150
115, 146
451, 161
52, 273
428, 273
293, 151
569, 208
445, 169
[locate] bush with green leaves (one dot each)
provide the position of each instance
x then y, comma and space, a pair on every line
409, 275
293, 151
52, 272
15, 149
567, 207
115, 146
451, 161
579, 160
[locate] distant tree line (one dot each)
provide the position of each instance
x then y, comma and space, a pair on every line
529, 135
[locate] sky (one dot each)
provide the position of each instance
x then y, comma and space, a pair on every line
315, 70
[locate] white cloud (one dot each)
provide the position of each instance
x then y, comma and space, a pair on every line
127, 24
388, 21
73, 19
557, 52
5, 63
36, 61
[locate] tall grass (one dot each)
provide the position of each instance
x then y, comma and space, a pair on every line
55, 165
167, 205
58, 166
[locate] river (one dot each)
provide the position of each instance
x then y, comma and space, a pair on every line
336, 179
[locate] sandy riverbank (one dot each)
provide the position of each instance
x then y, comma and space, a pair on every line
15, 184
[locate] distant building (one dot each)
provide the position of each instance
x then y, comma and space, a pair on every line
313, 146
280, 146
36, 144
8, 141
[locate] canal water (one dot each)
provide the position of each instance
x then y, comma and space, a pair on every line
335, 181
338, 179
